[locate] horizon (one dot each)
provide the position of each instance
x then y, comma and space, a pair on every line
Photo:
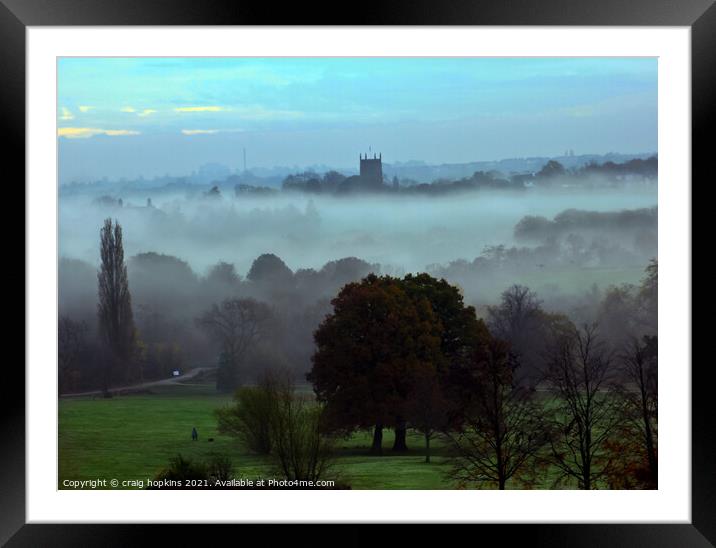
266, 171
150, 117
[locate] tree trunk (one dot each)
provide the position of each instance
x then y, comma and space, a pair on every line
649, 438
377, 447
427, 448
586, 477
400, 444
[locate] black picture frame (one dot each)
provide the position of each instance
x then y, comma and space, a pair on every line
699, 15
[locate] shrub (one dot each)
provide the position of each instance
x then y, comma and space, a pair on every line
271, 419
301, 451
249, 418
181, 469
220, 468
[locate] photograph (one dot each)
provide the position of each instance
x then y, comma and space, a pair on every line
357, 273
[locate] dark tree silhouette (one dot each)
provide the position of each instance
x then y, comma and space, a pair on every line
268, 268
70, 344
520, 320
503, 428
461, 333
116, 323
552, 169
586, 413
236, 324
640, 366
223, 274
648, 297
618, 315
367, 352
427, 409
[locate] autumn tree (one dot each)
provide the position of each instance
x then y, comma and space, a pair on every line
503, 428
237, 325
585, 411
367, 352
114, 309
461, 333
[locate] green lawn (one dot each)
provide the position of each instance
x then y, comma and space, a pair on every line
133, 437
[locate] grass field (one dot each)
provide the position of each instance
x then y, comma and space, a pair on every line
133, 437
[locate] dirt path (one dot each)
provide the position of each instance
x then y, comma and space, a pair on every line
120, 389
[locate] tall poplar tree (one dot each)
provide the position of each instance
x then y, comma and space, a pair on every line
114, 309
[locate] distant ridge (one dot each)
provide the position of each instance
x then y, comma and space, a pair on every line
425, 173
416, 170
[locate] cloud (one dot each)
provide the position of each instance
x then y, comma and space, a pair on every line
66, 114
199, 131
85, 108
209, 131
199, 109
85, 132
249, 112
142, 113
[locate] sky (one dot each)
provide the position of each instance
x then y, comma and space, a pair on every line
126, 117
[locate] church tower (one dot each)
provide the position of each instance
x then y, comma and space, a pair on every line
371, 170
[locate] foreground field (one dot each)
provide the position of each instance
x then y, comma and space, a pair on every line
133, 437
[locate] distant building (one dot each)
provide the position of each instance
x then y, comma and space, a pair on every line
370, 178
371, 170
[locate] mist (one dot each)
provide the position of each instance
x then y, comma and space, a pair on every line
404, 234
190, 246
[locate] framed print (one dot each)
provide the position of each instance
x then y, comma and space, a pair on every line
402, 268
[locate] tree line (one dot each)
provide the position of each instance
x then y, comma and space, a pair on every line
178, 317
553, 173
513, 395
522, 398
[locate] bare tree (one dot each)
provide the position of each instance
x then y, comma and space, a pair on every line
520, 320
585, 411
517, 307
640, 365
503, 430
648, 297
237, 324
300, 448
116, 323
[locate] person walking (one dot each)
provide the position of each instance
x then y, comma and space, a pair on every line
194, 434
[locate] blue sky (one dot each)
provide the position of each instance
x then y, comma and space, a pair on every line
131, 116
